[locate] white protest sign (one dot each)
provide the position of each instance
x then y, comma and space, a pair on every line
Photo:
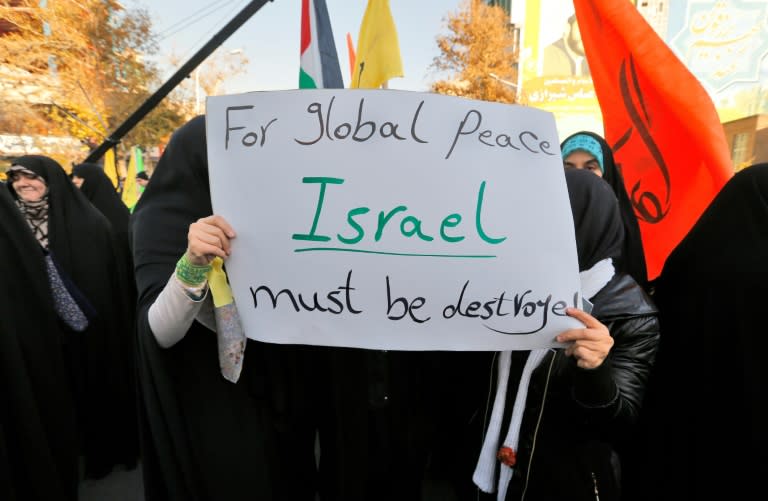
393, 220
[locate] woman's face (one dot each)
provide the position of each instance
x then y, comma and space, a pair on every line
77, 181
28, 187
580, 159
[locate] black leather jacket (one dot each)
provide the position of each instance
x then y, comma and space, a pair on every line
575, 417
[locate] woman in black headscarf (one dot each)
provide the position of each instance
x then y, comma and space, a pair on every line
560, 440
706, 404
98, 189
38, 446
209, 438
208, 435
93, 303
587, 150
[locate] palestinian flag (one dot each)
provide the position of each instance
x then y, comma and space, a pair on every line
319, 60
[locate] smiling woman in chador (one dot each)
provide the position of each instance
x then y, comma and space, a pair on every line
66, 359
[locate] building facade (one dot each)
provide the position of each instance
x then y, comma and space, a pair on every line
748, 140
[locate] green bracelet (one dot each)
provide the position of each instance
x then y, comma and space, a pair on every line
191, 274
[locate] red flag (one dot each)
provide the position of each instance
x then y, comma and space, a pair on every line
667, 139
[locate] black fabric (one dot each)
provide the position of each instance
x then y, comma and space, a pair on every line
100, 359
38, 446
208, 439
82, 302
203, 437
633, 257
98, 189
706, 410
596, 220
384, 408
564, 441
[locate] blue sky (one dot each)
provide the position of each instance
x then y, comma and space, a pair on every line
270, 39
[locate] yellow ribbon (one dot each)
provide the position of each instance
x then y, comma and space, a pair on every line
217, 281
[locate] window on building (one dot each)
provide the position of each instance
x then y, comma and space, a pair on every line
739, 151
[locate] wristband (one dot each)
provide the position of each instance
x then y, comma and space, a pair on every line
191, 274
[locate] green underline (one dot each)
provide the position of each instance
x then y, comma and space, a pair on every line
341, 249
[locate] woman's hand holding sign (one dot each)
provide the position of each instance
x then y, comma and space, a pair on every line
209, 237
589, 345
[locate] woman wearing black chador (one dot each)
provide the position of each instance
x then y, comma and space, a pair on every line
71, 376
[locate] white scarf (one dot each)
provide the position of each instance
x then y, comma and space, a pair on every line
592, 281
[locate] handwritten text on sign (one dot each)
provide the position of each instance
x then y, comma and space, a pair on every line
393, 220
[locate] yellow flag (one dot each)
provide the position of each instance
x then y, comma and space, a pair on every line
378, 51
130, 190
110, 167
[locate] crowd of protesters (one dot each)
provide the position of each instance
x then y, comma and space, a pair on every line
112, 344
